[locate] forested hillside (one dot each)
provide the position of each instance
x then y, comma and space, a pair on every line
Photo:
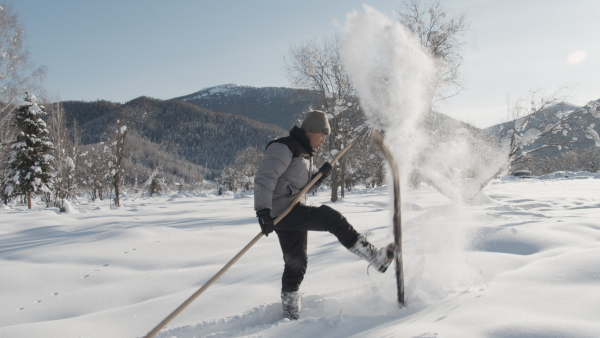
198, 135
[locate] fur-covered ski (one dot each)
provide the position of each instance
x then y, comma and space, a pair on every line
397, 220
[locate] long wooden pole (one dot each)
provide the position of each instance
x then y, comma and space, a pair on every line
210, 282
397, 219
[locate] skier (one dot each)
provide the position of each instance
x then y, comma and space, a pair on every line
283, 172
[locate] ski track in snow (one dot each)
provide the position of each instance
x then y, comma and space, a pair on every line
523, 265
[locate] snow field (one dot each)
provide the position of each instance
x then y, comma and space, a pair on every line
523, 265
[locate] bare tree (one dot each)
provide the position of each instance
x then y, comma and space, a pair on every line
93, 164
117, 153
532, 120
16, 76
65, 154
539, 123
439, 33
317, 65
16, 72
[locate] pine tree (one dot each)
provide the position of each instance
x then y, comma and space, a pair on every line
30, 163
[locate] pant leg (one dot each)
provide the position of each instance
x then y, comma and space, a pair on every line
323, 218
295, 257
293, 235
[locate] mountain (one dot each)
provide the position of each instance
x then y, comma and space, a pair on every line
276, 105
189, 129
575, 135
197, 135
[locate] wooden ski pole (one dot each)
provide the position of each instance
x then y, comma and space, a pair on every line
206, 285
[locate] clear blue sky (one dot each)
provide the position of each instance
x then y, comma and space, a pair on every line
119, 50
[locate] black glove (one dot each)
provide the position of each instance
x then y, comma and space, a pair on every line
266, 221
326, 169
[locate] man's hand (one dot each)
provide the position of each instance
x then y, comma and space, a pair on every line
326, 169
266, 221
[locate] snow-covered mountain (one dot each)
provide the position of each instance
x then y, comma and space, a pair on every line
276, 105
247, 116
577, 134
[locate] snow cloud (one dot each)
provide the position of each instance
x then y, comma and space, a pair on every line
391, 73
576, 57
393, 77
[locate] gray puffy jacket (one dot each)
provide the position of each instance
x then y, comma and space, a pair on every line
283, 172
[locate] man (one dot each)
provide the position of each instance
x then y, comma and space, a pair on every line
283, 172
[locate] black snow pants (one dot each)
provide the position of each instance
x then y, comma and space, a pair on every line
292, 231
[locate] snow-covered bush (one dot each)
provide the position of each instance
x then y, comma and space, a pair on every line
156, 182
240, 175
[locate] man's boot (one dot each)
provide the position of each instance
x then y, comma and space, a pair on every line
291, 304
380, 259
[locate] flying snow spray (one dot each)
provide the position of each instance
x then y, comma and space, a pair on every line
392, 76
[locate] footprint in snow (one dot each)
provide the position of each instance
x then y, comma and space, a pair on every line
21, 309
86, 276
39, 301
105, 265
55, 294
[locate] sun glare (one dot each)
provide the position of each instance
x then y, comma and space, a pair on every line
576, 57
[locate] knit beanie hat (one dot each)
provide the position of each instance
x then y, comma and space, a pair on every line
316, 121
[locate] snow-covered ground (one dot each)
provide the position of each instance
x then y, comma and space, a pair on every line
527, 264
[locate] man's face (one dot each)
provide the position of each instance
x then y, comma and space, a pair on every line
316, 139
